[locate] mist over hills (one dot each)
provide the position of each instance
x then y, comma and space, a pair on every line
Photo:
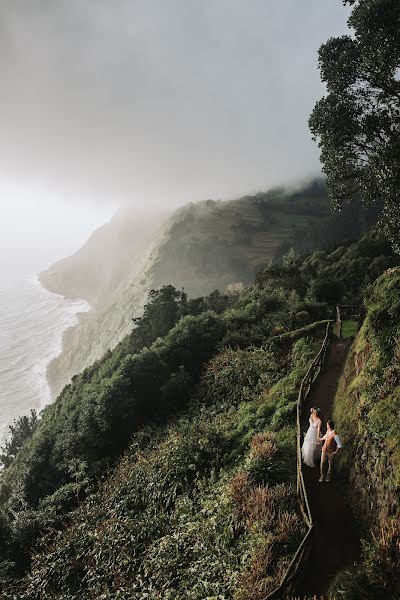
201, 247
108, 258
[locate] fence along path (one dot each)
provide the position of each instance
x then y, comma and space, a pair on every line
331, 541
291, 576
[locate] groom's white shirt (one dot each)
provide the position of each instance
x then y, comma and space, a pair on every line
336, 438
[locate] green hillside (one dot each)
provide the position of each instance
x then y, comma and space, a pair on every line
203, 247
167, 468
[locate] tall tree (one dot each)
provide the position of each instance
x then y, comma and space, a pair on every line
357, 123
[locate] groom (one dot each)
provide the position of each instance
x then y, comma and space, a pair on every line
332, 445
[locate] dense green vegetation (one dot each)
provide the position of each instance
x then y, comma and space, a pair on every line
201, 508
20, 431
357, 123
344, 274
367, 411
203, 394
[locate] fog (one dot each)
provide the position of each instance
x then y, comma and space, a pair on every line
38, 227
158, 102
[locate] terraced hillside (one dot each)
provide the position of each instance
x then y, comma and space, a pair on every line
207, 246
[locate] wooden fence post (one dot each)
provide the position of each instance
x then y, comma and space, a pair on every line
338, 323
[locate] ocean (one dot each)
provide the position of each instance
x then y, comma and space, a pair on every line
32, 323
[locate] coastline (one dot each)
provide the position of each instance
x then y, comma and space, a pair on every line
33, 323
54, 379
51, 374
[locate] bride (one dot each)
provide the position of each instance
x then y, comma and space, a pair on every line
310, 450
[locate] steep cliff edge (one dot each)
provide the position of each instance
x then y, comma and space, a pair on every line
202, 247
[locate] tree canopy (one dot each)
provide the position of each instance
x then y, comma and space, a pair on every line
357, 123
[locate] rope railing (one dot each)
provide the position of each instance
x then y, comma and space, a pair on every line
290, 577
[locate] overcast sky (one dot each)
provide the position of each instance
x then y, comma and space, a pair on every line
160, 101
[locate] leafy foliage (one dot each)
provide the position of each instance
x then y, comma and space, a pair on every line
358, 122
20, 431
238, 374
349, 268
201, 508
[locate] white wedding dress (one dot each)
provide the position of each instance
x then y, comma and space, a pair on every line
311, 450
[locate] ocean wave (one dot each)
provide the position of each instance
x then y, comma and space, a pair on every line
33, 321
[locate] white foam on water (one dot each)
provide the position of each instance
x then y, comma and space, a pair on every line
32, 323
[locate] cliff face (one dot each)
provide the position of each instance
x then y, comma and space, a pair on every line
201, 247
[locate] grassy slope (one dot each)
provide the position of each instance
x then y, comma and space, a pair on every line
349, 328
201, 509
207, 246
366, 412
92, 421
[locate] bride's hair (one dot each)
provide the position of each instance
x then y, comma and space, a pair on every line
317, 411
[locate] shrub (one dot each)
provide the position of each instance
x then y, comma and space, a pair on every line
238, 375
329, 291
377, 576
263, 445
302, 318
238, 489
21, 431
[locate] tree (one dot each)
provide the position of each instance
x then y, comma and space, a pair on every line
357, 123
163, 310
331, 291
21, 431
291, 260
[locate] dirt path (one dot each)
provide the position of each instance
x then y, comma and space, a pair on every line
335, 541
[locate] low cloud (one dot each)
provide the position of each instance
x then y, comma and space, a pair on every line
152, 102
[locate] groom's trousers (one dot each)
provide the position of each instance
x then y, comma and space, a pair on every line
326, 457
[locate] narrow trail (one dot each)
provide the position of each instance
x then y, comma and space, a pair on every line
335, 542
